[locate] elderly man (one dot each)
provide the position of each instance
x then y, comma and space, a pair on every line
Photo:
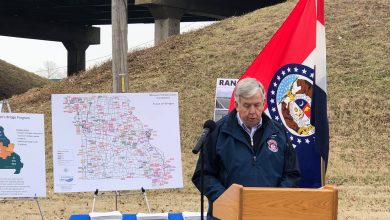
247, 148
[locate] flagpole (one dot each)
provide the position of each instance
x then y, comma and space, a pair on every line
323, 173
323, 176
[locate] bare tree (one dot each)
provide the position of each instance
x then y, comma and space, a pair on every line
50, 70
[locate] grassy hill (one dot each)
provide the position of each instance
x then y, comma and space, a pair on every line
14, 80
358, 89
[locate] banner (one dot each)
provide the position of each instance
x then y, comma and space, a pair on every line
291, 66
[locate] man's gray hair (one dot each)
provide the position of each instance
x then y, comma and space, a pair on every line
247, 88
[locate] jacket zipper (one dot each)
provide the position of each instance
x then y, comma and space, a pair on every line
254, 153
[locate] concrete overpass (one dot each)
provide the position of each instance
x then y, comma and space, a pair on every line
71, 21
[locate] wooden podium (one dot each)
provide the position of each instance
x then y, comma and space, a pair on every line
243, 203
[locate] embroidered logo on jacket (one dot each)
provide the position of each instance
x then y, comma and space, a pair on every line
272, 145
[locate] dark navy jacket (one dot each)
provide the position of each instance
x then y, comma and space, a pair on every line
230, 158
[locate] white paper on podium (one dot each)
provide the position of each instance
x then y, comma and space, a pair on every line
115, 215
152, 216
193, 215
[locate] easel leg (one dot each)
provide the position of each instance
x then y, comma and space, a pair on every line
146, 199
39, 207
116, 200
5, 104
94, 199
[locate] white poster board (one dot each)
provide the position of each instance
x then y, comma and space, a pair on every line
223, 93
22, 155
114, 141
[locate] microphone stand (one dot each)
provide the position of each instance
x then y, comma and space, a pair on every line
201, 158
208, 126
201, 183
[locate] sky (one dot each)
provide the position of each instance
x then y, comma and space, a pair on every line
31, 54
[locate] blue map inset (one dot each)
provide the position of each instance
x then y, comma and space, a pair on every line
8, 158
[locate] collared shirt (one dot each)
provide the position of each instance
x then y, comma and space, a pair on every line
250, 131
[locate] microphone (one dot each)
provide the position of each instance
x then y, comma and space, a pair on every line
208, 127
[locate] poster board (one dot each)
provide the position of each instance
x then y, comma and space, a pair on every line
223, 93
22, 155
111, 141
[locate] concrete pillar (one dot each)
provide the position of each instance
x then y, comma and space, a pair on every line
76, 56
166, 22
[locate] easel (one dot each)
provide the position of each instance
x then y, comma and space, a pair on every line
5, 104
25, 198
117, 194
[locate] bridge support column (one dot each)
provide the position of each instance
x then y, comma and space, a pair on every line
76, 56
166, 22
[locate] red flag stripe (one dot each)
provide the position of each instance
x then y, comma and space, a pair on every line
320, 12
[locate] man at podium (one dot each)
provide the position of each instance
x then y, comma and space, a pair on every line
247, 148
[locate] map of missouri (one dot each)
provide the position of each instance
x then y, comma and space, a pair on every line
115, 143
8, 158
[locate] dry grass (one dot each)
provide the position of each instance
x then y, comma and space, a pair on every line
358, 86
359, 79
14, 80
